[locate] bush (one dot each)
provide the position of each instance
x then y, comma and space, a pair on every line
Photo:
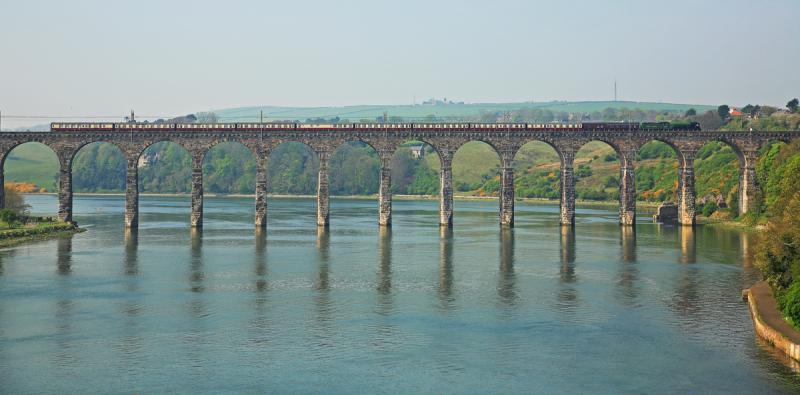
789, 304
709, 208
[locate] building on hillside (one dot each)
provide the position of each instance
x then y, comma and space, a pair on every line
417, 151
735, 112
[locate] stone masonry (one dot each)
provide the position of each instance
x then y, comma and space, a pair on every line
445, 140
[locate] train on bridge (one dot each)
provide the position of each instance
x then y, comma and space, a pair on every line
270, 126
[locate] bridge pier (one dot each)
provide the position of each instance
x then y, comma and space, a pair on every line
686, 192
65, 191
627, 189
748, 184
446, 191
567, 188
132, 194
507, 195
261, 190
197, 192
385, 193
323, 198
2, 186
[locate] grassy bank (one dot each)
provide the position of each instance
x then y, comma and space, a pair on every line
40, 231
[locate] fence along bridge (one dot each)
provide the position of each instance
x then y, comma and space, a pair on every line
506, 139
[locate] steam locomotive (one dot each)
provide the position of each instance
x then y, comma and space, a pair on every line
267, 127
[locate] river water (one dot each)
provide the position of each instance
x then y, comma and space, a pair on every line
357, 309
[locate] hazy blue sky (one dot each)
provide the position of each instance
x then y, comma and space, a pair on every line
167, 58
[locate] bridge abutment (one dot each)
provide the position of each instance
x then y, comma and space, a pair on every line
686, 191
261, 190
323, 197
446, 192
132, 193
567, 187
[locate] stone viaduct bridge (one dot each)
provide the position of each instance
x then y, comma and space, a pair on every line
385, 139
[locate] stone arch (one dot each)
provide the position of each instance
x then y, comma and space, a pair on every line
527, 185
656, 180
81, 150
254, 147
594, 179
718, 167
342, 169
283, 149
401, 170
144, 162
51, 158
244, 171
149, 143
476, 181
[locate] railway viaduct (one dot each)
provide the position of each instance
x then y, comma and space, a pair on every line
445, 139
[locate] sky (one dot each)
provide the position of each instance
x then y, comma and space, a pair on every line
166, 58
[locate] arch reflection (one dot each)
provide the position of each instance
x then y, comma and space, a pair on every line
445, 289
506, 284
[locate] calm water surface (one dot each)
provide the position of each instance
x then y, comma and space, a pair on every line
356, 309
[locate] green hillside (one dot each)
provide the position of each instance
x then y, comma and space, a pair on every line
421, 112
34, 163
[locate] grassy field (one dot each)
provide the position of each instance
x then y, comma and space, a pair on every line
420, 112
34, 163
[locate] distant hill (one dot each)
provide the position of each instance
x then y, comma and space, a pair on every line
420, 112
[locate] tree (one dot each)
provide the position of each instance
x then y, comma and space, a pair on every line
793, 104
15, 202
691, 112
748, 109
710, 121
723, 111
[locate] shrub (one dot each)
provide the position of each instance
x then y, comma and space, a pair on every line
709, 208
789, 303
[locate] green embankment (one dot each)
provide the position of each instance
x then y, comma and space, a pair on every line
420, 112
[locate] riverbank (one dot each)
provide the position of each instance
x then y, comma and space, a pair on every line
12, 237
768, 320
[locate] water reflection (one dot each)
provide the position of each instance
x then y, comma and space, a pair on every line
260, 323
445, 290
131, 261
567, 298
322, 296
65, 303
567, 270
130, 341
506, 284
629, 273
196, 274
260, 260
64, 254
688, 244
384, 287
